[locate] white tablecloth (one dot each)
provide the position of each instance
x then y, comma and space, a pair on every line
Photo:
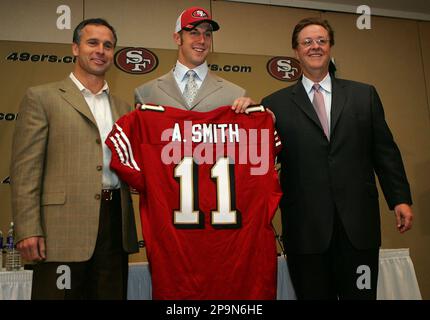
15, 285
139, 282
397, 279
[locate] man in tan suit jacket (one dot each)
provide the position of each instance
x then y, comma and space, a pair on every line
68, 207
193, 35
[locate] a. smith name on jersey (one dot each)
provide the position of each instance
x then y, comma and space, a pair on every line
207, 132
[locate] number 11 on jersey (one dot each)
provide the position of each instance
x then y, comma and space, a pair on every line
189, 215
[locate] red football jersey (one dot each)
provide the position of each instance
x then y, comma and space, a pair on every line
208, 193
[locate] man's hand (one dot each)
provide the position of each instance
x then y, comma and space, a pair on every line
240, 104
404, 217
32, 249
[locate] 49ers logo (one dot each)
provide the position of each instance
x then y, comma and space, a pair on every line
284, 68
199, 14
136, 60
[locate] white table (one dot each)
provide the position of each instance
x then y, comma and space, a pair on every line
397, 279
15, 285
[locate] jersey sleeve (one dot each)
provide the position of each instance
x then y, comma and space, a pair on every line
124, 142
277, 143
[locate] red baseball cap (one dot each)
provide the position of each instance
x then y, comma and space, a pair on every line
193, 16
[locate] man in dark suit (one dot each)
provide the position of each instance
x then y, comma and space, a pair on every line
335, 139
69, 208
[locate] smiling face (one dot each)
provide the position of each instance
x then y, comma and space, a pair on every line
314, 58
194, 45
94, 51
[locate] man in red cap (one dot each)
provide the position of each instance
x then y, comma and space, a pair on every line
190, 85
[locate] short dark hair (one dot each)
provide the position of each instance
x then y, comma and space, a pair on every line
94, 21
307, 22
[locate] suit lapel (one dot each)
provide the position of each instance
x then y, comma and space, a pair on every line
74, 97
337, 103
301, 99
168, 85
209, 86
113, 108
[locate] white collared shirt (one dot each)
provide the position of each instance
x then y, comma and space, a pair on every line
325, 88
180, 74
100, 108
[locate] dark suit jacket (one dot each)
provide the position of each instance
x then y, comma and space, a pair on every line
320, 177
55, 183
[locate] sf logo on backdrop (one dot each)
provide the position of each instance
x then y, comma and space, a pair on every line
136, 60
284, 68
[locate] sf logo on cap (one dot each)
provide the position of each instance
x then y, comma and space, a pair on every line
199, 14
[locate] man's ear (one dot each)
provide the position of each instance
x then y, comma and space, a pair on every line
177, 38
75, 49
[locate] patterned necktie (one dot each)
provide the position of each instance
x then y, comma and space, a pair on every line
319, 106
191, 87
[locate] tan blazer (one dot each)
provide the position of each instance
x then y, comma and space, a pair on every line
55, 172
213, 93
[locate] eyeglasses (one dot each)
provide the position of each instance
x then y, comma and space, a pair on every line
320, 41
